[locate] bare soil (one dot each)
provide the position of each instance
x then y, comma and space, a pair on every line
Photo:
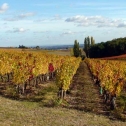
85, 94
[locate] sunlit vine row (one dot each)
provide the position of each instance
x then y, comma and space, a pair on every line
111, 74
66, 72
25, 65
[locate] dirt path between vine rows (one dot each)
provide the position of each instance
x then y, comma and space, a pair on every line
85, 94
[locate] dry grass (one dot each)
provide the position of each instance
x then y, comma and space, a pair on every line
60, 52
63, 52
17, 113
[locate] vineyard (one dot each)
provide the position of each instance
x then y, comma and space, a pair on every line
110, 77
110, 74
91, 85
28, 69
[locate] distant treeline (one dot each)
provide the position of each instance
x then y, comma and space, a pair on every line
22, 47
25, 47
110, 48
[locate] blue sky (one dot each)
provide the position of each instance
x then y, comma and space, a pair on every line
51, 22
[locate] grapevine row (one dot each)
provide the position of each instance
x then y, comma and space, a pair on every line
109, 75
65, 74
31, 68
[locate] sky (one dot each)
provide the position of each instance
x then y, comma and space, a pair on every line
60, 22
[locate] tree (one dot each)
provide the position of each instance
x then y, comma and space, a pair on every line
76, 49
37, 47
92, 41
22, 47
110, 48
85, 46
88, 41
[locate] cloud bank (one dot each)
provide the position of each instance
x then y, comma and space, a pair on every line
97, 21
20, 16
4, 8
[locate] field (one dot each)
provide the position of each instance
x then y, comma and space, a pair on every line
116, 57
57, 52
83, 105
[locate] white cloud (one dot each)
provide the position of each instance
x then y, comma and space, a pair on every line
11, 19
102, 5
121, 25
40, 20
25, 15
97, 21
92, 3
54, 18
46, 4
20, 17
81, 19
57, 17
18, 30
4, 8
68, 32
41, 31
